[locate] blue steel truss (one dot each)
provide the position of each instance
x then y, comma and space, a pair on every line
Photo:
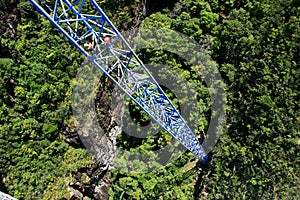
4, 196
115, 58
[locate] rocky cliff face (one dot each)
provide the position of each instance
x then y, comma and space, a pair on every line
94, 181
91, 182
11, 14
8, 25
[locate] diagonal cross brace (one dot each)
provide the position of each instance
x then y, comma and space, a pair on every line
84, 22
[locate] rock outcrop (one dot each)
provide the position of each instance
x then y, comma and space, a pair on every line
93, 182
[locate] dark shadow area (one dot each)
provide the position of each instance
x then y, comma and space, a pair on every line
203, 169
2, 187
154, 6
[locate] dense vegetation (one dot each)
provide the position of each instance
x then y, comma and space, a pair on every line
256, 47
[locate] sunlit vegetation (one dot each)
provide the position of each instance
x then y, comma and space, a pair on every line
255, 45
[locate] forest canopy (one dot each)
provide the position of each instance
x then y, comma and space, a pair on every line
256, 47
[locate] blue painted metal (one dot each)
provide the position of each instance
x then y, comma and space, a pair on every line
118, 61
4, 196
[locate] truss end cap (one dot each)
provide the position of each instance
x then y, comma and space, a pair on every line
204, 159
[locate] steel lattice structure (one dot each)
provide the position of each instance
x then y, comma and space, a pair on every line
115, 58
4, 196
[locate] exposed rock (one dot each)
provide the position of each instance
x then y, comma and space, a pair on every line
71, 136
75, 194
93, 181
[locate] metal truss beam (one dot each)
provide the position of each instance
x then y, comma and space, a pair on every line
83, 22
4, 196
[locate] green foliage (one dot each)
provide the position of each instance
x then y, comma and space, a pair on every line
158, 20
177, 179
256, 45
174, 181
72, 159
200, 13
35, 89
258, 157
120, 12
189, 26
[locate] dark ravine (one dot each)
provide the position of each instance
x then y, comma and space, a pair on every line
8, 26
93, 181
95, 185
98, 174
